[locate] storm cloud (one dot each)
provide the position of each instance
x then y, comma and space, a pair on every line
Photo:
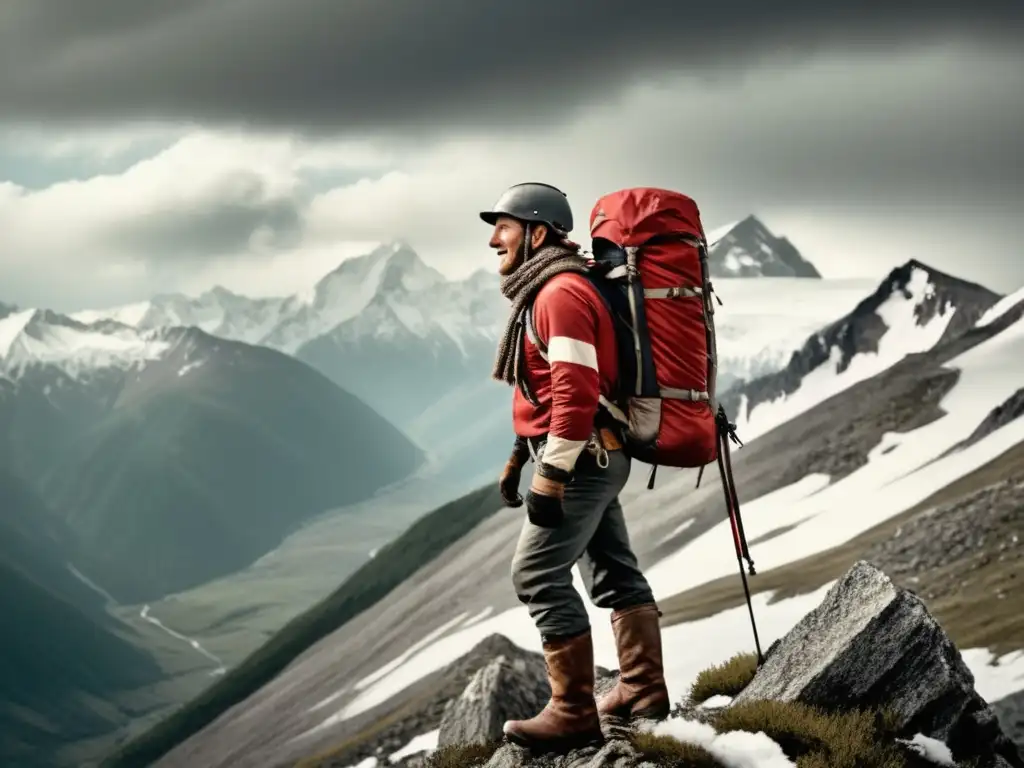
172, 145
363, 65
240, 212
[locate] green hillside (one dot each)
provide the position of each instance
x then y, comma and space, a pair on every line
201, 467
62, 659
396, 562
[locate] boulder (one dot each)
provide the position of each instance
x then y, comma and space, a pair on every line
509, 687
512, 686
871, 644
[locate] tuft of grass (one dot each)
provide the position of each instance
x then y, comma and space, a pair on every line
667, 751
462, 755
725, 679
819, 739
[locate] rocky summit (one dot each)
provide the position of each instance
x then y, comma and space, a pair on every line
868, 678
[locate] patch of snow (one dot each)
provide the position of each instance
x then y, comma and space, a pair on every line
410, 317
11, 328
479, 617
1000, 308
425, 742
412, 651
903, 337
678, 529
714, 235
693, 564
716, 702
194, 644
995, 678
930, 749
75, 348
734, 749
127, 314
188, 367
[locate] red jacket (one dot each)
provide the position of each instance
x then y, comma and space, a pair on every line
573, 324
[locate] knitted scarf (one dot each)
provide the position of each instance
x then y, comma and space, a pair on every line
520, 288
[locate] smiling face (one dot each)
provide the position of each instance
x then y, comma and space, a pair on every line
507, 240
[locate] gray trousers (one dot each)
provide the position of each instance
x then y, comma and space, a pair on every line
594, 534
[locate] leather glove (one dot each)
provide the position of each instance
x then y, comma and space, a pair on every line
544, 502
508, 481
508, 484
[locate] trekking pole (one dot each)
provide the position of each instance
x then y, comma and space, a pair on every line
726, 432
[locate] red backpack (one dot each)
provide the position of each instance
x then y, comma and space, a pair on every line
651, 267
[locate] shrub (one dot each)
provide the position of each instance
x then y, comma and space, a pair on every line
726, 679
462, 756
667, 751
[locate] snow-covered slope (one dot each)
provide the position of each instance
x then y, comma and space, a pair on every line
896, 442
762, 322
41, 337
910, 312
747, 248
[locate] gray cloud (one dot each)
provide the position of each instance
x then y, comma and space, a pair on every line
222, 224
869, 134
364, 64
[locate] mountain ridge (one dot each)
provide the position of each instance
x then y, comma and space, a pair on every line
390, 267
386, 317
913, 309
747, 248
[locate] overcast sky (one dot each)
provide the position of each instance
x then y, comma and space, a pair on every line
158, 146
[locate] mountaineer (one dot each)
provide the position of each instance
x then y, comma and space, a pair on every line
559, 353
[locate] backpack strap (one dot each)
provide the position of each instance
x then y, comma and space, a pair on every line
531, 332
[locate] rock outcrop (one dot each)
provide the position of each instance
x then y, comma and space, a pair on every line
510, 687
869, 646
873, 645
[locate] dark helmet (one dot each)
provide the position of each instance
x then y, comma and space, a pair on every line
536, 202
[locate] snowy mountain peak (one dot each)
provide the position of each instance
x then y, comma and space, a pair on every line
747, 248
934, 293
914, 309
406, 273
389, 267
42, 337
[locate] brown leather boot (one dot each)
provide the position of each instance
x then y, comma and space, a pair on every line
641, 689
569, 720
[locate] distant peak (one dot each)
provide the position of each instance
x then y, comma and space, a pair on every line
748, 248
907, 269
220, 292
